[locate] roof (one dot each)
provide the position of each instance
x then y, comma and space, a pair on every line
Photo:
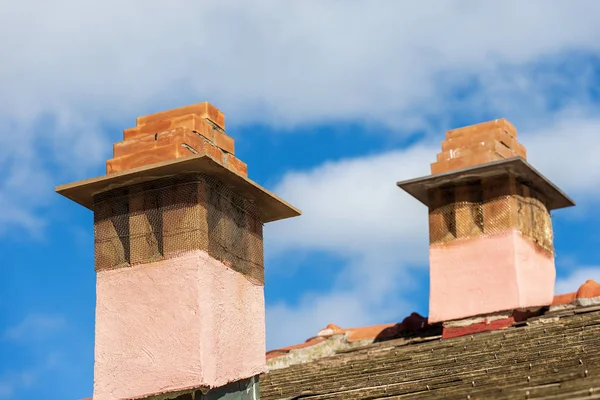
552, 354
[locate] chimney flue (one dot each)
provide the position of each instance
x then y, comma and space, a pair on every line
490, 231
179, 260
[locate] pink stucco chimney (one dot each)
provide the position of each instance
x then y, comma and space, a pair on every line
490, 231
179, 260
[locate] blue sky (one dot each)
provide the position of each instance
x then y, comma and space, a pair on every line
330, 103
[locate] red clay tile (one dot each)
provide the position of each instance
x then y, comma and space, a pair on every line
412, 323
284, 350
562, 299
590, 289
274, 354
450, 332
310, 342
366, 332
330, 329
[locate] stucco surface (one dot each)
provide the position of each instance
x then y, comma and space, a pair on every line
176, 324
536, 273
488, 274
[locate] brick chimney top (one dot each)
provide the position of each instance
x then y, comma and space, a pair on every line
490, 231
178, 241
190, 139
478, 144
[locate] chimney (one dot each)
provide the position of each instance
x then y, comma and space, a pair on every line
490, 231
178, 241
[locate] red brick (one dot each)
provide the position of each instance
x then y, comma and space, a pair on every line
224, 142
182, 136
483, 127
464, 162
214, 152
203, 110
148, 142
497, 134
192, 122
489, 145
236, 165
154, 155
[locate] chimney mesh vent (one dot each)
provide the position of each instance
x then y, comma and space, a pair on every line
171, 216
464, 219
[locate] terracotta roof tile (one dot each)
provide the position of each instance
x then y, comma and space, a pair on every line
561, 299
284, 350
330, 329
589, 290
415, 322
412, 323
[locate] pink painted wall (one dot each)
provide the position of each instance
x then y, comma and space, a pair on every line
536, 272
488, 274
176, 324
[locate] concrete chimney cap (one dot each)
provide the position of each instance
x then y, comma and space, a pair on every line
516, 166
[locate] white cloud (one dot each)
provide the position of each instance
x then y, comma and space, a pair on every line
288, 325
13, 382
353, 209
566, 151
576, 278
6, 389
14, 214
354, 206
301, 62
34, 326
72, 67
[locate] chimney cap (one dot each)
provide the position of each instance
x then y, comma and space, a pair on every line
516, 166
271, 207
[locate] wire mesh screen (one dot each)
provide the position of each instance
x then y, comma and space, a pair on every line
466, 219
171, 216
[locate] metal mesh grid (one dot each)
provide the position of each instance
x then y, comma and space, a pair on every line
168, 217
466, 219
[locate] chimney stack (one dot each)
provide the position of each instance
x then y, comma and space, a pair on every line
490, 232
179, 259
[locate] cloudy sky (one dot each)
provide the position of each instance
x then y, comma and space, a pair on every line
330, 103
